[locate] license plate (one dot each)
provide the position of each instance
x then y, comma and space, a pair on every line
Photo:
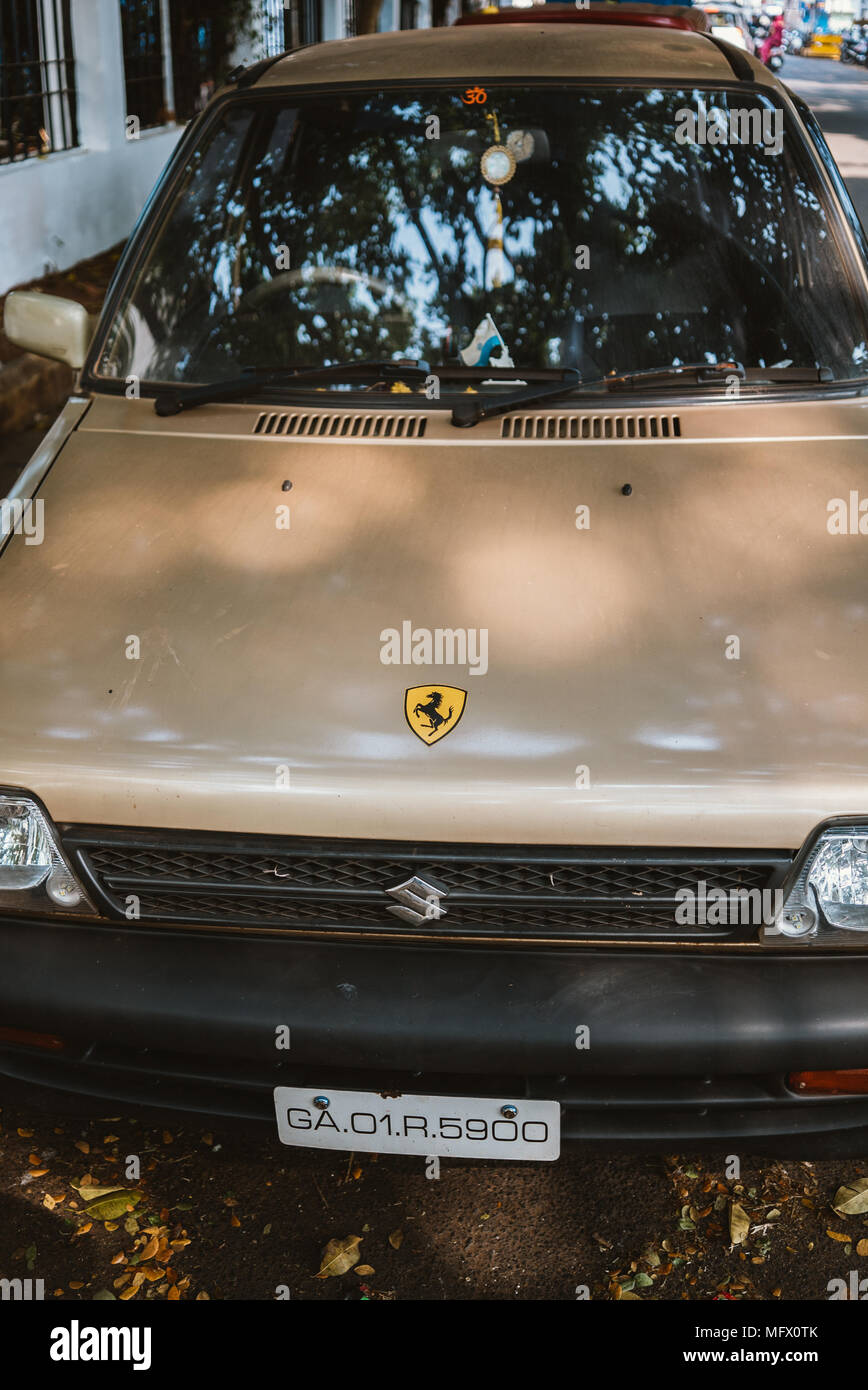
446, 1126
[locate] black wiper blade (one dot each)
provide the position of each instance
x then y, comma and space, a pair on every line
698, 373
470, 411
785, 374
250, 382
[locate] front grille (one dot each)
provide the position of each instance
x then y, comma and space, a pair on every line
303, 885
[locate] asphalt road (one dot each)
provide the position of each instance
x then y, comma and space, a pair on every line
838, 96
257, 1216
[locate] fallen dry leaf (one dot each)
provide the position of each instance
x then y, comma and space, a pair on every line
396, 1239
129, 1293
38, 1172
338, 1257
83, 1146
837, 1235
150, 1249
233, 1220
92, 1193
364, 1269
174, 1293
852, 1198
739, 1224
862, 1247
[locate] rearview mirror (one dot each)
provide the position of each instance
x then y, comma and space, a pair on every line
48, 325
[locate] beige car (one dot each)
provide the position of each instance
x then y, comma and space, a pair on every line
435, 691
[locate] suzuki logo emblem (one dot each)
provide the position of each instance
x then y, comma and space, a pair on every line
419, 901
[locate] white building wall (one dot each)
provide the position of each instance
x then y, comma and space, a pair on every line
64, 207
60, 209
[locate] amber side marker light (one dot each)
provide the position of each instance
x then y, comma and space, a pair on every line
46, 1040
830, 1083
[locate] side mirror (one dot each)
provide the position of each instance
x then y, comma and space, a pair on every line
48, 325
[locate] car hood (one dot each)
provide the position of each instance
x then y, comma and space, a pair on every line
689, 667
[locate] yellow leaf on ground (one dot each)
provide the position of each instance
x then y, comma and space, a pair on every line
396, 1239
339, 1256
739, 1224
837, 1235
82, 1146
91, 1192
364, 1269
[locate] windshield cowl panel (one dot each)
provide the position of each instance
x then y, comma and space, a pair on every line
543, 228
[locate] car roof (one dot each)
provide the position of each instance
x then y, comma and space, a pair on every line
512, 51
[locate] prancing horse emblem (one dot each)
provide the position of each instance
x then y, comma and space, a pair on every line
432, 714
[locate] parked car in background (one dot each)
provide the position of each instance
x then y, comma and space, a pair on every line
730, 23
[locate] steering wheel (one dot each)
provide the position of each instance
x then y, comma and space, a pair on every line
319, 275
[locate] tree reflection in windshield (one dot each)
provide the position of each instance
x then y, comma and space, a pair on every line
336, 230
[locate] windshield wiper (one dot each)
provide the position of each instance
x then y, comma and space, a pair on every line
254, 379
470, 411
707, 373
700, 373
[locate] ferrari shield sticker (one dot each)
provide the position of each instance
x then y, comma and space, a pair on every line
432, 714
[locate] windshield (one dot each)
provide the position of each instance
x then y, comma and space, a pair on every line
535, 227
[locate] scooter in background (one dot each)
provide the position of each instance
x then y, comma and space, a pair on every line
854, 48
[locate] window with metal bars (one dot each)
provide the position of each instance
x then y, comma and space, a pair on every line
202, 40
275, 26
302, 23
143, 61
37, 79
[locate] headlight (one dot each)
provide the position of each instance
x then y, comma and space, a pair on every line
838, 875
34, 875
829, 891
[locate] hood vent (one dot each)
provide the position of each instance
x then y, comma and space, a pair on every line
591, 427
329, 424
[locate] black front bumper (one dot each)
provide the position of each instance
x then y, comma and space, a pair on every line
687, 1047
